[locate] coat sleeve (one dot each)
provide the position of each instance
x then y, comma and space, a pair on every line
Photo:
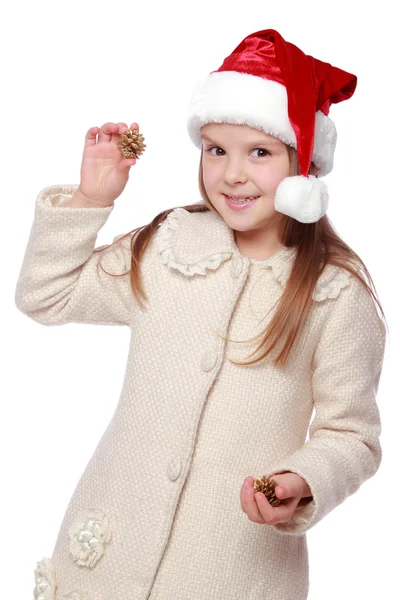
343, 449
61, 280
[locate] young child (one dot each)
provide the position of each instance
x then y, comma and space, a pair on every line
248, 312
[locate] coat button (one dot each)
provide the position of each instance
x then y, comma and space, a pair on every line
236, 266
208, 360
174, 469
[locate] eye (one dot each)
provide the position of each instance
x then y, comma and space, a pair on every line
266, 153
219, 150
212, 148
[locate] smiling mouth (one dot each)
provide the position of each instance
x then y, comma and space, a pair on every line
241, 199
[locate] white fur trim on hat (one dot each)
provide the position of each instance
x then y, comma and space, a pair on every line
244, 99
302, 198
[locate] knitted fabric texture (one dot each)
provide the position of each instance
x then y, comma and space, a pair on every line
194, 420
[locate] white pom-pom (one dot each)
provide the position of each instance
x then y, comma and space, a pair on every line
302, 198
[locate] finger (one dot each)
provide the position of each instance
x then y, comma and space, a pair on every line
284, 488
288, 485
283, 491
243, 493
248, 503
286, 511
278, 514
90, 138
264, 507
122, 127
126, 164
106, 132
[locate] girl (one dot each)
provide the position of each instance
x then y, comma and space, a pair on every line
248, 313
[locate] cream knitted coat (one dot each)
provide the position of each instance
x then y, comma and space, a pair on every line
196, 422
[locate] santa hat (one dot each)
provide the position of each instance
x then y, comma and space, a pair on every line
271, 85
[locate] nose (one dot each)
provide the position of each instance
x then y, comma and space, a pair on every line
234, 172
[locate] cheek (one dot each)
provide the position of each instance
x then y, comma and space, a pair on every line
210, 176
273, 177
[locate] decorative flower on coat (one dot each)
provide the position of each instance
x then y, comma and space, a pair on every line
45, 580
89, 535
194, 242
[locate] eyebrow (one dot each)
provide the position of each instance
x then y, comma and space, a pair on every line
255, 143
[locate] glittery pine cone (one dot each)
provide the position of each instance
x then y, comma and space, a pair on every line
267, 486
131, 144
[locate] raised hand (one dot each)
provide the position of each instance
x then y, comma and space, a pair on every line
104, 171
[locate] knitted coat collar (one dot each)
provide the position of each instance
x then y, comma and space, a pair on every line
197, 243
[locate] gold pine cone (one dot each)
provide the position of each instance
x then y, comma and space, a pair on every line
267, 486
131, 144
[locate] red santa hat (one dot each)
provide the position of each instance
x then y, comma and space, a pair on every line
271, 85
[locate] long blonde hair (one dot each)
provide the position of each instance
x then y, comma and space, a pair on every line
318, 244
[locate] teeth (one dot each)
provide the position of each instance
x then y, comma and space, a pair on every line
243, 200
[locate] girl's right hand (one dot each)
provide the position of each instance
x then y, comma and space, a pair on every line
104, 170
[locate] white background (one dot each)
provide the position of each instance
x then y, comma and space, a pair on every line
68, 66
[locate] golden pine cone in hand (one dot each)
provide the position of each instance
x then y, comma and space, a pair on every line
267, 486
131, 144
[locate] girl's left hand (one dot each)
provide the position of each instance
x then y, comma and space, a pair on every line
291, 489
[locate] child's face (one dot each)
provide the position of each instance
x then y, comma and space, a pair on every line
238, 159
